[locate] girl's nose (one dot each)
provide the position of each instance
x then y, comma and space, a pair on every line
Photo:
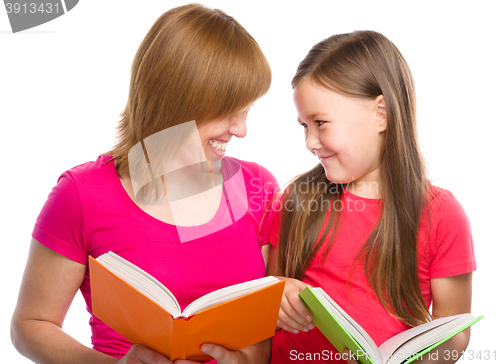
312, 141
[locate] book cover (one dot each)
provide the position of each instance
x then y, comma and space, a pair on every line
233, 324
341, 336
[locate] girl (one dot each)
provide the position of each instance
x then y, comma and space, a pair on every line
193, 79
365, 224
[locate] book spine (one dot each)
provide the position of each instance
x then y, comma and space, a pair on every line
179, 339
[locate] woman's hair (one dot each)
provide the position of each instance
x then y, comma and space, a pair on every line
195, 63
365, 64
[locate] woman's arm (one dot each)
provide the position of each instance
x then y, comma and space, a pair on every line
49, 285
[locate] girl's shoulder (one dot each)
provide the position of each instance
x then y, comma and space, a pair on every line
442, 202
449, 234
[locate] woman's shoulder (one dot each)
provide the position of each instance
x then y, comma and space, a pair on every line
91, 170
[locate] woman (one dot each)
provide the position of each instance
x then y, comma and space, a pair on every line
161, 198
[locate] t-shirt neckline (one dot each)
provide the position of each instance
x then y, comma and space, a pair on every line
356, 197
125, 197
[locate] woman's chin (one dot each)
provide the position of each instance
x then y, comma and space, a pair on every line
213, 165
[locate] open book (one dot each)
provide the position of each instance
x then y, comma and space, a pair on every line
343, 332
144, 311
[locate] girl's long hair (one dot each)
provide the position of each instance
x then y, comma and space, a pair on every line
365, 64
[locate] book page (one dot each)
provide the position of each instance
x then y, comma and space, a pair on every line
141, 281
227, 294
413, 340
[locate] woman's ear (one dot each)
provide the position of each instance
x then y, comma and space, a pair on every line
381, 113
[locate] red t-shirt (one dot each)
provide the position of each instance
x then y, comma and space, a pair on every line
89, 212
445, 248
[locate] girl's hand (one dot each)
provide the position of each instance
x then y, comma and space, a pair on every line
139, 354
347, 354
294, 315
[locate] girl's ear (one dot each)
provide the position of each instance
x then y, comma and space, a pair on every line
381, 113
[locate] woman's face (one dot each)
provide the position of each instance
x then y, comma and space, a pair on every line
208, 142
345, 133
216, 135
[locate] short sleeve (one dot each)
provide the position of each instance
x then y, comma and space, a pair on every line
60, 225
269, 194
452, 248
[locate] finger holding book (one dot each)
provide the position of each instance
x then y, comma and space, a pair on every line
225, 356
348, 354
294, 315
219, 353
139, 354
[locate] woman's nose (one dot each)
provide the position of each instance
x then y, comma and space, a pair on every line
238, 127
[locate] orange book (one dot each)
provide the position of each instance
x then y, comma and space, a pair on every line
140, 308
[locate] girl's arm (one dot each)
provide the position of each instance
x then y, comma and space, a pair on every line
294, 315
450, 296
49, 285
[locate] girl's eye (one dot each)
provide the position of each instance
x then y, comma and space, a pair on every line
319, 122
304, 125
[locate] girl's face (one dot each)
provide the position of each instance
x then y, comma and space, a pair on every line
345, 133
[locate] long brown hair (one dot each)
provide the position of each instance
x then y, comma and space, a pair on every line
195, 63
365, 64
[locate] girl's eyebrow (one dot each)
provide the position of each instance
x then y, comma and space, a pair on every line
317, 115
314, 116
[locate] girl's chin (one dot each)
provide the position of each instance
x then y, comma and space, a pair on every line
336, 178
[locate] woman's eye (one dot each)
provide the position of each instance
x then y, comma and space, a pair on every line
319, 122
304, 125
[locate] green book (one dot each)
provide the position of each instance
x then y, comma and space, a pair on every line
343, 332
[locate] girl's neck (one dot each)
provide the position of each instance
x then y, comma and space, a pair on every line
367, 186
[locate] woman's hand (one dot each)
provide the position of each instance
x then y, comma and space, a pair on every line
254, 354
221, 354
294, 315
139, 354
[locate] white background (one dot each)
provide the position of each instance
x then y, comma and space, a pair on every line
63, 85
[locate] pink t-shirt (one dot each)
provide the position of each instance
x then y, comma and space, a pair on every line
445, 248
89, 212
